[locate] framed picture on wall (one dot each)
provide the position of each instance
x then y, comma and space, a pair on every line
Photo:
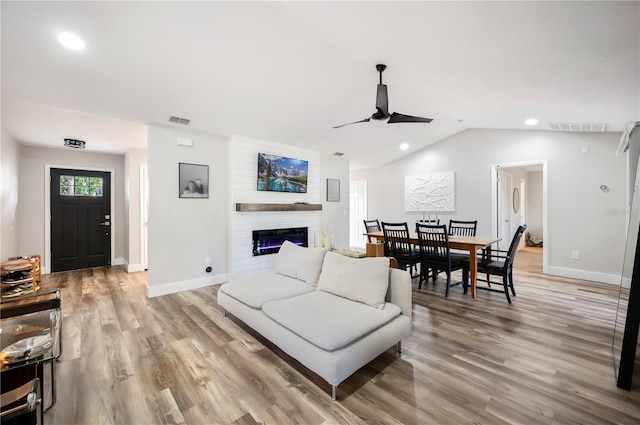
333, 190
193, 180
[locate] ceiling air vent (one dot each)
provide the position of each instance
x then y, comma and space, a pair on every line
572, 126
75, 143
339, 153
178, 120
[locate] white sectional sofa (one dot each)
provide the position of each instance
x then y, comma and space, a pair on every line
332, 313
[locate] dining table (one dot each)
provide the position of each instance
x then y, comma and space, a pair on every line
471, 244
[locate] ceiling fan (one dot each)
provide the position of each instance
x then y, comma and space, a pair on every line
382, 106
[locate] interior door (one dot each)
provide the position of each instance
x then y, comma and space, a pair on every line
504, 208
357, 213
80, 219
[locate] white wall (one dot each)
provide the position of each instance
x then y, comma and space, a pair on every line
534, 203
182, 232
9, 161
335, 213
32, 194
578, 212
243, 157
132, 254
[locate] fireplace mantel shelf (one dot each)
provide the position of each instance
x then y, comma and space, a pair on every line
249, 207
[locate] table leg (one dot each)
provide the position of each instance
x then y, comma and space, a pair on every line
473, 270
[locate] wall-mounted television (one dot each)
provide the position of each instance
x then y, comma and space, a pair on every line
282, 174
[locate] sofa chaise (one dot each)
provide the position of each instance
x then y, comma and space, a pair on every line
332, 313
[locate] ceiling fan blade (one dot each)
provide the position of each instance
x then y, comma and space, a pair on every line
382, 102
396, 117
355, 122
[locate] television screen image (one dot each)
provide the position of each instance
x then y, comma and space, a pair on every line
282, 174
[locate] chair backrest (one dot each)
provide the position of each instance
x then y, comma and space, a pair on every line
432, 222
511, 253
396, 239
372, 226
434, 242
463, 228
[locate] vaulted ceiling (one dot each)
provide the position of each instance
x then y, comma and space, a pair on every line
289, 71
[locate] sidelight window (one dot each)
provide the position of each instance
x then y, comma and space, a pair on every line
80, 186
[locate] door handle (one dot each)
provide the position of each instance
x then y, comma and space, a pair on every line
106, 223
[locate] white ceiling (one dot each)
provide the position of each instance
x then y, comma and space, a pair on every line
289, 71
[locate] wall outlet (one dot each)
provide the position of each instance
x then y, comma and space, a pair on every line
207, 261
575, 255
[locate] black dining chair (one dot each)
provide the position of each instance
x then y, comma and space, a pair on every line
397, 244
435, 254
463, 228
501, 264
371, 226
435, 222
460, 228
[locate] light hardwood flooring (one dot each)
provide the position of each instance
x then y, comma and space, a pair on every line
529, 258
175, 359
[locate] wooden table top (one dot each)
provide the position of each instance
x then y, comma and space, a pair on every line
460, 241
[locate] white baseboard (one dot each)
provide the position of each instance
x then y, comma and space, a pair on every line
584, 275
132, 268
185, 285
118, 261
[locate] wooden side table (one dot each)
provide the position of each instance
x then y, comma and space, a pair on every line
375, 249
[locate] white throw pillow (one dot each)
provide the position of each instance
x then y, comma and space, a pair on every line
364, 280
300, 263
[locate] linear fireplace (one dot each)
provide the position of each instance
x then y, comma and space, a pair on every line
269, 241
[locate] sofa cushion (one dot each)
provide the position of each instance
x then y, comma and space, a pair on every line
299, 262
257, 290
364, 280
328, 321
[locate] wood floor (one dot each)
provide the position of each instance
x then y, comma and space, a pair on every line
529, 258
546, 359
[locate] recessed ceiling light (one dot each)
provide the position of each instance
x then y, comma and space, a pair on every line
531, 121
404, 146
71, 41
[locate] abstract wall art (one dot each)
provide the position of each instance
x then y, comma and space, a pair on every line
433, 192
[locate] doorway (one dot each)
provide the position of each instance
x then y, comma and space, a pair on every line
357, 213
80, 207
518, 192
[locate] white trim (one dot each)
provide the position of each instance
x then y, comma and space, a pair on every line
46, 267
133, 268
584, 275
185, 285
545, 204
118, 262
144, 206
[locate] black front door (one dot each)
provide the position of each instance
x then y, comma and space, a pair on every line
80, 219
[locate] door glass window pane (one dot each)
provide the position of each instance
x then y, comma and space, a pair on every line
81, 186
82, 181
95, 186
66, 180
